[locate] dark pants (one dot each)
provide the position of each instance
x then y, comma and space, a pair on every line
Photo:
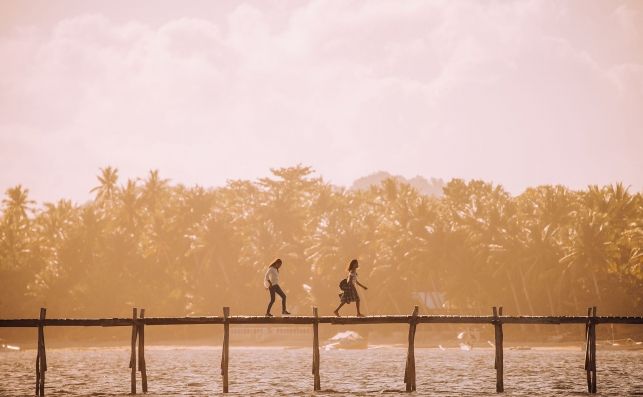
276, 289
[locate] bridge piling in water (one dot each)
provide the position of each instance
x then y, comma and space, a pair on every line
499, 361
593, 346
225, 351
409, 371
590, 350
41, 356
317, 380
141, 351
132, 360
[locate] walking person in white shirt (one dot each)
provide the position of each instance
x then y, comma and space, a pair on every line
271, 281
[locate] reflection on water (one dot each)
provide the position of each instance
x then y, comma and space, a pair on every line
279, 371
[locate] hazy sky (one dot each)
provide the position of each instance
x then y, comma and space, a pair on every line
518, 93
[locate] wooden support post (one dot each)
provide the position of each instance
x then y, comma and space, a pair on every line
587, 351
317, 380
132, 360
226, 347
141, 351
409, 371
590, 350
38, 366
499, 362
41, 356
593, 350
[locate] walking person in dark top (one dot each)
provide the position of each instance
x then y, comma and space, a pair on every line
271, 281
350, 290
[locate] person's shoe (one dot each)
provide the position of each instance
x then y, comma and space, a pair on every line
285, 312
268, 315
337, 313
360, 315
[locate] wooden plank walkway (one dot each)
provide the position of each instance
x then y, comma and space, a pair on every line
391, 319
138, 321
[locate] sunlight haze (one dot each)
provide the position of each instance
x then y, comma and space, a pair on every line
516, 93
322, 194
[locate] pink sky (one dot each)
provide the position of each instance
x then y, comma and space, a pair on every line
518, 93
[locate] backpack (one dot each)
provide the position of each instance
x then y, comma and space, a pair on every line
343, 285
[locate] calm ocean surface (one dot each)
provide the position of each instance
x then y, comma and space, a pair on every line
195, 371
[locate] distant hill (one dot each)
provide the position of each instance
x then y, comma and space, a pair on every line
432, 187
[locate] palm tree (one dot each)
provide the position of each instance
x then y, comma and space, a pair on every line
17, 260
600, 246
155, 190
17, 204
129, 216
15, 226
546, 218
107, 189
55, 228
486, 216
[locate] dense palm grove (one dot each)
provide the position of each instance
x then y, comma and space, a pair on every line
189, 250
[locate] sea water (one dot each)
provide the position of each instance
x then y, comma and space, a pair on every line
195, 371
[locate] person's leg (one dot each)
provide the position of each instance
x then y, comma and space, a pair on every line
272, 299
358, 312
338, 307
281, 293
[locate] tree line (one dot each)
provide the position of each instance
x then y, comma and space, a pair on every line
180, 250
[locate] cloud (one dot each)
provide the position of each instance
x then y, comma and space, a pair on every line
513, 92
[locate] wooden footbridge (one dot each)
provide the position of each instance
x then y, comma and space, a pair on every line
138, 322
